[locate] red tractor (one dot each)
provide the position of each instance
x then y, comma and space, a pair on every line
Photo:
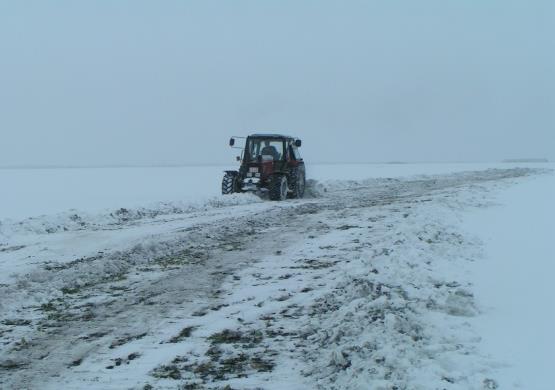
270, 163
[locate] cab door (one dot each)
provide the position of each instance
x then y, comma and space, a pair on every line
294, 158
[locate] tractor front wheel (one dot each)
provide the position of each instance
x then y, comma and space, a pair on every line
278, 187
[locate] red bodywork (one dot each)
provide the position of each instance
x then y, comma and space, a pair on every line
267, 168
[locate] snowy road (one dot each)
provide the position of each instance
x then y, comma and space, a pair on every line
365, 285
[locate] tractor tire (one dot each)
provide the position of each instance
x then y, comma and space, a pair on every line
229, 183
278, 187
298, 183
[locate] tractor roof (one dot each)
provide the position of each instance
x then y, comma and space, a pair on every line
271, 136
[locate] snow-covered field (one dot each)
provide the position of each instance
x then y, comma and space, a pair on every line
387, 276
33, 192
515, 282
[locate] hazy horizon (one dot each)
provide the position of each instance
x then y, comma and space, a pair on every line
143, 83
232, 162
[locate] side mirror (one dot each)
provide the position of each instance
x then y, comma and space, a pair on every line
232, 142
298, 143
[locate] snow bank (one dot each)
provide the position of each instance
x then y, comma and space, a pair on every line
358, 172
318, 188
73, 220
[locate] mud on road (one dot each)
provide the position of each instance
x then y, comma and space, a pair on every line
326, 292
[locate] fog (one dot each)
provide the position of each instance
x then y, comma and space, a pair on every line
168, 82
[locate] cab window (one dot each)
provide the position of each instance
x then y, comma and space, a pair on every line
265, 148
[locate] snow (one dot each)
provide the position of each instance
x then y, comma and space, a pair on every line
33, 192
381, 278
322, 172
515, 283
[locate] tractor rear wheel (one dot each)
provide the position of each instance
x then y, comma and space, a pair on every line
278, 187
229, 183
298, 183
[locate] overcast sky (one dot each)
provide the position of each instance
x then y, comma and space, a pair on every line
167, 82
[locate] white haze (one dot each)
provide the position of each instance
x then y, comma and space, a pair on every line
142, 82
